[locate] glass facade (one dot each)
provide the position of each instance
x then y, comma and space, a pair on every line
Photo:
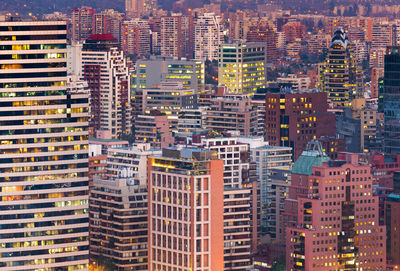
390, 101
43, 152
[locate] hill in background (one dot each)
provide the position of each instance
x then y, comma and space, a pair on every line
38, 7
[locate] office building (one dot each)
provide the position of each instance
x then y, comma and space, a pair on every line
298, 83
391, 101
338, 221
105, 69
241, 67
294, 119
44, 152
342, 76
191, 120
208, 36
169, 98
151, 72
313, 155
186, 205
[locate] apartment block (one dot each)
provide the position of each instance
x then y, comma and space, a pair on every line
105, 69
209, 35
153, 128
233, 112
186, 205
118, 209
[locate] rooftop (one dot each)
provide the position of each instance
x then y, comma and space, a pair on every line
312, 156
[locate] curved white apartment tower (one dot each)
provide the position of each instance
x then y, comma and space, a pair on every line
43, 152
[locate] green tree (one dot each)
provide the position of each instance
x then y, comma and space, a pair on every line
279, 264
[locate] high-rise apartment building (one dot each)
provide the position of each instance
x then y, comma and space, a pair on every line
381, 35
392, 221
186, 205
177, 36
83, 23
293, 119
134, 8
118, 209
376, 75
108, 22
237, 228
264, 33
105, 69
138, 8
208, 36
135, 38
341, 74
241, 66
338, 221
276, 194
293, 31
391, 101
235, 156
43, 152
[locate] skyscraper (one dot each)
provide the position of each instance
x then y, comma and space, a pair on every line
43, 152
391, 101
341, 75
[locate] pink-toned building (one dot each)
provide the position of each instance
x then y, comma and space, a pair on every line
186, 210
338, 222
376, 73
153, 128
233, 112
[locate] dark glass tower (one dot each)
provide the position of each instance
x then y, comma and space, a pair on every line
390, 101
